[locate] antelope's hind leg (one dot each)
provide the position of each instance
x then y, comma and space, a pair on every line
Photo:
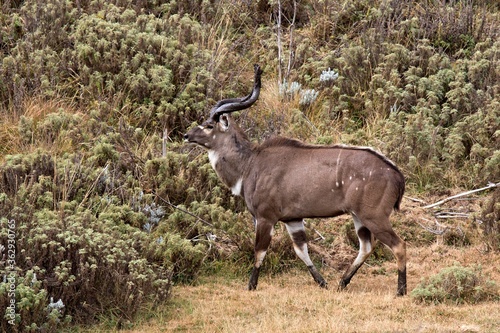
366, 242
398, 247
381, 229
298, 234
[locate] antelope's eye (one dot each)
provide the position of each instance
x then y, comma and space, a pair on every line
209, 126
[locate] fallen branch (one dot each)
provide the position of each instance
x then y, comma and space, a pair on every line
415, 199
451, 215
320, 235
441, 229
490, 185
183, 210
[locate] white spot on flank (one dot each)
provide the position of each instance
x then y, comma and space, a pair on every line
338, 166
350, 177
236, 189
356, 188
213, 158
337, 183
342, 182
364, 178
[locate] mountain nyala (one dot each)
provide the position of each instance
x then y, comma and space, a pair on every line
286, 180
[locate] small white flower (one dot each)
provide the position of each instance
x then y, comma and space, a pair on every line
308, 96
328, 75
57, 305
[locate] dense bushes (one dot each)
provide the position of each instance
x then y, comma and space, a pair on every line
95, 95
490, 220
74, 245
456, 285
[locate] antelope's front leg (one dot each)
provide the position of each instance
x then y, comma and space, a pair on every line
263, 236
298, 234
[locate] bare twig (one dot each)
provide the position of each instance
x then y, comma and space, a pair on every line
490, 185
164, 143
182, 210
451, 215
320, 235
415, 199
292, 26
94, 184
441, 229
278, 36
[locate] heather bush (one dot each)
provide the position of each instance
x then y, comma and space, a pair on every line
490, 220
456, 285
95, 96
82, 244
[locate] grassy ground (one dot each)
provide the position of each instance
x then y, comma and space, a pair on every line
292, 302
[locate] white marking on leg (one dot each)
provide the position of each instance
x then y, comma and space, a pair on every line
303, 254
365, 247
357, 221
301, 251
293, 227
213, 157
259, 258
236, 188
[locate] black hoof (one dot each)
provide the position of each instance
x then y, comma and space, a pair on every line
254, 278
342, 285
323, 284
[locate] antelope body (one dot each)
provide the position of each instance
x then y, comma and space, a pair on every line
287, 180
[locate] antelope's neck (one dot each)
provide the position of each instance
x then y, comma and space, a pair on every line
230, 166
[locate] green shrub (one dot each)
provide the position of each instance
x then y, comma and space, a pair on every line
457, 285
86, 245
172, 248
490, 218
88, 88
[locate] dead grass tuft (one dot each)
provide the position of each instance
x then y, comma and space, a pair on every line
292, 302
34, 110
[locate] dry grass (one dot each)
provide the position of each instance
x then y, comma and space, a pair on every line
292, 302
36, 109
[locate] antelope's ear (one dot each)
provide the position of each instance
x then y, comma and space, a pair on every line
224, 122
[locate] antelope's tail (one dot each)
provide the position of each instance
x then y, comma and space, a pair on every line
401, 191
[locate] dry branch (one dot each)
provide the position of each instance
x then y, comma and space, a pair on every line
439, 230
415, 199
490, 185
